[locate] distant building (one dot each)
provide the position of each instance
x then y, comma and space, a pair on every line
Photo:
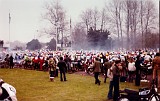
3, 46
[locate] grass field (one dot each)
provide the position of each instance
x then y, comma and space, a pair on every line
35, 86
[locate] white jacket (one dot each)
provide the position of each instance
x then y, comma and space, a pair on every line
110, 74
131, 66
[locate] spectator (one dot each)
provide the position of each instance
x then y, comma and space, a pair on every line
97, 70
116, 75
131, 69
52, 68
11, 64
36, 62
62, 67
41, 61
138, 66
57, 68
68, 63
110, 76
107, 65
156, 68
7, 61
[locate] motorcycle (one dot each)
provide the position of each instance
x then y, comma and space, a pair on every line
146, 69
90, 69
144, 94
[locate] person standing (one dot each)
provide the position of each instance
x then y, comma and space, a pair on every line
68, 63
116, 75
36, 62
56, 61
62, 67
97, 70
7, 60
137, 65
131, 69
156, 69
107, 65
41, 61
52, 68
11, 64
110, 76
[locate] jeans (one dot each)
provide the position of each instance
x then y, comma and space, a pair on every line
64, 75
116, 87
111, 84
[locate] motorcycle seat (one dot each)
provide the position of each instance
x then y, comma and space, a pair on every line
129, 91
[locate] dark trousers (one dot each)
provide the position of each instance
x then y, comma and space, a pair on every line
105, 72
96, 74
11, 65
36, 66
116, 87
111, 84
64, 75
56, 74
131, 75
138, 78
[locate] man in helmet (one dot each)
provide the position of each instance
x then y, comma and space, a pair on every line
7, 92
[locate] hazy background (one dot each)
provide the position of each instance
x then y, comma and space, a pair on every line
26, 19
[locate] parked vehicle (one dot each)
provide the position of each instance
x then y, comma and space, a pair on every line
144, 94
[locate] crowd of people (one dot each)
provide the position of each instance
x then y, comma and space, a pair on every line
123, 66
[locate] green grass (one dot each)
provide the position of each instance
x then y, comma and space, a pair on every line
35, 86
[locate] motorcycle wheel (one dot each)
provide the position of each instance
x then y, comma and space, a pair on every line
154, 98
143, 76
90, 71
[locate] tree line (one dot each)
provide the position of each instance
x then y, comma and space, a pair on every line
120, 24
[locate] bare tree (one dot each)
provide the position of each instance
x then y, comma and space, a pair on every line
56, 16
105, 20
150, 16
141, 18
133, 21
79, 37
115, 12
128, 23
87, 17
120, 18
96, 18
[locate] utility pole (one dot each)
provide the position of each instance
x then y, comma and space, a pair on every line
56, 35
71, 33
9, 31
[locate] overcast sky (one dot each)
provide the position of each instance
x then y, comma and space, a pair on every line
26, 17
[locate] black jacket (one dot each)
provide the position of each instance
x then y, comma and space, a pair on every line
61, 65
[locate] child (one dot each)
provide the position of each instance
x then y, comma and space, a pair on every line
52, 68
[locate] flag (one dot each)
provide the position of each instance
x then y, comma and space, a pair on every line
9, 18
